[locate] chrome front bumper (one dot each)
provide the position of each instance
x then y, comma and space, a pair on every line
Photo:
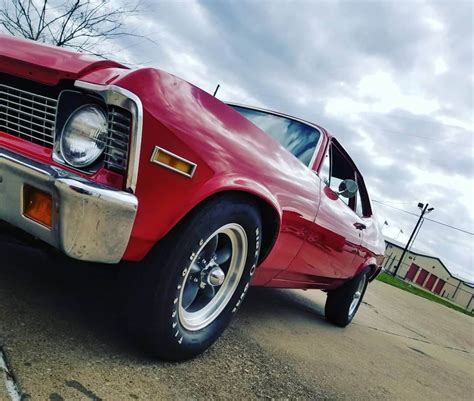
90, 221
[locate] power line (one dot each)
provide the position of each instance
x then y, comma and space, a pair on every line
447, 225
397, 202
450, 138
426, 218
397, 208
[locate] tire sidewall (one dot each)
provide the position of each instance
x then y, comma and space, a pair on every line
339, 301
363, 275
183, 246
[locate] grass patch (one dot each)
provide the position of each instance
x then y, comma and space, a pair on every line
396, 282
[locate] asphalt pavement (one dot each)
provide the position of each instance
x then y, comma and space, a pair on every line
63, 340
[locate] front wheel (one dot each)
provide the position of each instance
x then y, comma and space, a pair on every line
196, 279
342, 304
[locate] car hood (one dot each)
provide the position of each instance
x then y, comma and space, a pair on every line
44, 63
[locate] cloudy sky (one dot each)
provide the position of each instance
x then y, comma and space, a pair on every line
392, 80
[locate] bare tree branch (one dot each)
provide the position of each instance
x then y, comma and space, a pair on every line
79, 24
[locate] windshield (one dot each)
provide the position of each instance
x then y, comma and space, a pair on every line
300, 139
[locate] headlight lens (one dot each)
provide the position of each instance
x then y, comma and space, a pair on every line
84, 136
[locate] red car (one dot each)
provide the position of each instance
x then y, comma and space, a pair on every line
110, 164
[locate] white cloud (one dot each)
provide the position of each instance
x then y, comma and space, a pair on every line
379, 93
433, 24
440, 66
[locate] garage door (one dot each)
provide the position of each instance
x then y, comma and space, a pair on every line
421, 277
430, 282
439, 286
411, 273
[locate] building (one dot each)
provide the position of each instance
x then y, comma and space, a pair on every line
429, 273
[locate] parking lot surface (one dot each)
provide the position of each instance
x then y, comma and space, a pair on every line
61, 333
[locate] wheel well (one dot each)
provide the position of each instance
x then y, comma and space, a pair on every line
373, 270
270, 218
270, 227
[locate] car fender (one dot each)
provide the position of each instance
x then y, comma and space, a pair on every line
150, 230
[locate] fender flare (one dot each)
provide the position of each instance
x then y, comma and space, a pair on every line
269, 207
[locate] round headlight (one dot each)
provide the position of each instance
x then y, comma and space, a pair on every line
84, 136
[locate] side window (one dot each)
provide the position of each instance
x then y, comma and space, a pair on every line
300, 139
335, 169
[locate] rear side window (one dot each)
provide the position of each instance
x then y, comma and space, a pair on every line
336, 168
300, 139
340, 170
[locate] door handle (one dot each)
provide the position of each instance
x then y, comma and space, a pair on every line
360, 226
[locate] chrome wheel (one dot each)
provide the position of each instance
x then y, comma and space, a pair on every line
357, 295
212, 277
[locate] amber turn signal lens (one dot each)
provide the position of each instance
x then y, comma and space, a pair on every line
176, 163
37, 205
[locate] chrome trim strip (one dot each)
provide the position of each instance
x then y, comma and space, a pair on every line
276, 113
158, 150
316, 150
117, 96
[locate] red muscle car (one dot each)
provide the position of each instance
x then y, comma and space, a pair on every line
111, 164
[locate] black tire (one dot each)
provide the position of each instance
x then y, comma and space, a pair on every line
338, 303
155, 298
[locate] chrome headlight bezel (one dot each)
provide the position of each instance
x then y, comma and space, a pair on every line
108, 97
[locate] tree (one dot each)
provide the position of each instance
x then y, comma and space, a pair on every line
79, 24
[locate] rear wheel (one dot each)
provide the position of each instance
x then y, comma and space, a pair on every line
343, 303
195, 280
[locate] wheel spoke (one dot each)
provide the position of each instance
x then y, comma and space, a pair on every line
223, 253
208, 251
209, 291
190, 292
194, 269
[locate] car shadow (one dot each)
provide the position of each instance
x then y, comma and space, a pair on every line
39, 285
283, 303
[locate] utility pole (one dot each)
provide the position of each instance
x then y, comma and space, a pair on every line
424, 210
416, 234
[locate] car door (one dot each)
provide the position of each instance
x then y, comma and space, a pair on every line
331, 249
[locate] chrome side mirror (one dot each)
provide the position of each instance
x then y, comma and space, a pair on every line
348, 188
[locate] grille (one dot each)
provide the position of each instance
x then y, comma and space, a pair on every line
116, 151
32, 117
27, 115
